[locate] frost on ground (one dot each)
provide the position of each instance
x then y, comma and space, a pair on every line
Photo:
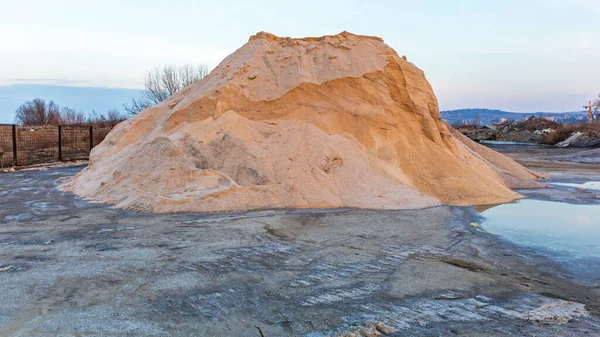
69, 267
455, 307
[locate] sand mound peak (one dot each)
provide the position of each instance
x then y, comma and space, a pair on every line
342, 35
335, 121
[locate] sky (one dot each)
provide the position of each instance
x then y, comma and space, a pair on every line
525, 55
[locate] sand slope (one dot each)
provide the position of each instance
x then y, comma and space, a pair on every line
513, 173
336, 121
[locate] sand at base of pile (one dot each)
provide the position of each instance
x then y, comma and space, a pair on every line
512, 173
337, 121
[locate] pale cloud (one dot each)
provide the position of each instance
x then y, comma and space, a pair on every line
125, 57
54, 81
111, 44
565, 42
512, 54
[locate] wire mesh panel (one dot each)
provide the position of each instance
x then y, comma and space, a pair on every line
100, 132
7, 157
75, 142
48, 144
37, 145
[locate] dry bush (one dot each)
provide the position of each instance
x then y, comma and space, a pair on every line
112, 118
553, 138
563, 131
69, 116
38, 112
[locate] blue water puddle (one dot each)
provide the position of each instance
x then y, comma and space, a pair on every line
505, 142
566, 233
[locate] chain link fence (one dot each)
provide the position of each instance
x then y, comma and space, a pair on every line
25, 146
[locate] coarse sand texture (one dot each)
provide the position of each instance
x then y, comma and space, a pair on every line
335, 121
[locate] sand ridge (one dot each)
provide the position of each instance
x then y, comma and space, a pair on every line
336, 121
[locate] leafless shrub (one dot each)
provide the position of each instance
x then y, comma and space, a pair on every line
69, 116
113, 117
37, 112
565, 130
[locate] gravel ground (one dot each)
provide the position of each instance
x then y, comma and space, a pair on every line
553, 160
73, 268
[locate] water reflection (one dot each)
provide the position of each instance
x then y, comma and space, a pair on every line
566, 233
560, 227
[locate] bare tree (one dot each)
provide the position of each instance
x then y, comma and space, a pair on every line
38, 112
69, 116
114, 116
160, 83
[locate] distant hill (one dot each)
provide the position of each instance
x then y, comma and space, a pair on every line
83, 99
488, 116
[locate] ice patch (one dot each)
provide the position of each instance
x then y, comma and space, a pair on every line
589, 185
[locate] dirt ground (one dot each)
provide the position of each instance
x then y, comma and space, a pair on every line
548, 159
72, 268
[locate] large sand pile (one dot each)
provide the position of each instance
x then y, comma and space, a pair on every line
336, 121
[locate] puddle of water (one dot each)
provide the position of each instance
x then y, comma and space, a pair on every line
504, 142
566, 233
590, 185
552, 225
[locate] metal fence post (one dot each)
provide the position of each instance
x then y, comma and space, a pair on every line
59, 143
91, 137
14, 144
